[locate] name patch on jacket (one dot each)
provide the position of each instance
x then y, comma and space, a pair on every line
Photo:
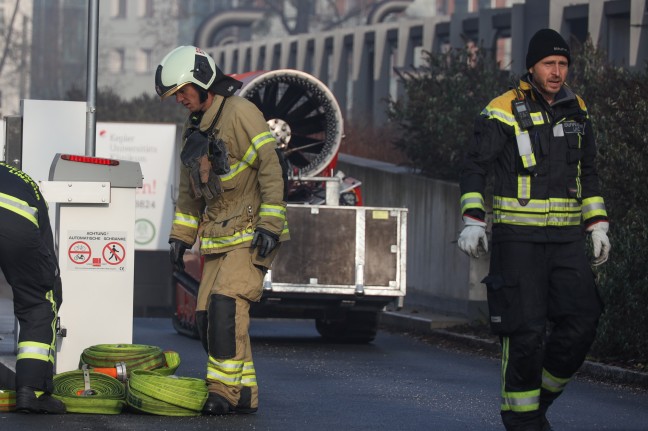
570, 127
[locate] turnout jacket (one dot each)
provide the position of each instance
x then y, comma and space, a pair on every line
541, 195
21, 195
253, 189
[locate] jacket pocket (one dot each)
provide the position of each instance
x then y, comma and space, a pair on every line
504, 304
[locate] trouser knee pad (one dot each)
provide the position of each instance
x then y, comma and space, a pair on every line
221, 331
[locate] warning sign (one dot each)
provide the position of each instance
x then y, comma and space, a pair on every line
96, 250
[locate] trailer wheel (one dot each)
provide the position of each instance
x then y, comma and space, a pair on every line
355, 327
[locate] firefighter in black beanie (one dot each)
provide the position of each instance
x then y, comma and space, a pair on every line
539, 141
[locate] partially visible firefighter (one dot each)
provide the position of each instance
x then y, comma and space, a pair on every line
29, 264
538, 139
231, 196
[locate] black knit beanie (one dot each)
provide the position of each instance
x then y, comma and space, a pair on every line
544, 43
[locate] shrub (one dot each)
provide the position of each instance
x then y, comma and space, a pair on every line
442, 99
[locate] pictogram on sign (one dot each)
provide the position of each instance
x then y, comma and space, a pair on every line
79, 252
114, 253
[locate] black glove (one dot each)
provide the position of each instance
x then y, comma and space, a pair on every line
176, 253
218, 157
195, 156
265, 240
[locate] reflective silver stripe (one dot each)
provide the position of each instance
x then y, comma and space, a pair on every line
19, 207
537, 212
522, 219
521, 401
250, 155
524, 187
33, 350
185, 220
593, 207
544, 206
552, 383
500, 115
471, 200
207, 243
273, 211
537, 118
224, 378
226, 365
228, 372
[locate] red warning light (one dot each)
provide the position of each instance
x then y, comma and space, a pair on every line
87, 159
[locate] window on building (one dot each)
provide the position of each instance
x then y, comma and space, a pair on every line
179, 9
118, 9
145, 8
116, 60
143, 60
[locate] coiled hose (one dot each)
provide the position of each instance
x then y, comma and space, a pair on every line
135, 356
153, 393
85, 391
7, 400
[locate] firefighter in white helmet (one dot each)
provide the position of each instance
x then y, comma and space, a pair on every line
231, 195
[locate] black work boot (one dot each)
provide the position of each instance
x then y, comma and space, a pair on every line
216, 405
244, 405
28, 402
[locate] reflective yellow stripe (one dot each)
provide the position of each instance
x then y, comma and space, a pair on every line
50, 298
186, 220
278, 211
552, 383
228, 372
524, 186
499, 114
34, 350
248, 377
537, 118
526, 401
594, 206
537, 212
472, 200
516, 401
261, 139
210, 243
529, 160
19, 207
249, 157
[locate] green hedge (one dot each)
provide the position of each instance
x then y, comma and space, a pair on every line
435, 122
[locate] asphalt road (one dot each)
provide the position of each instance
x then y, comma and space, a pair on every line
398, 382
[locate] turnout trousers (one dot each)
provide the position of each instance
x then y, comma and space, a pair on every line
544, 304
30, 267
230, 282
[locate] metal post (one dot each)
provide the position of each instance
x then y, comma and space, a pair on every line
91, 88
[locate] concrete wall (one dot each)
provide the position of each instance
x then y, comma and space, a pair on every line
440, 277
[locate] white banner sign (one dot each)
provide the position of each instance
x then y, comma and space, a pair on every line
153, 146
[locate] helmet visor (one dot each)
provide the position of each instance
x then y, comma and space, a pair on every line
162, 90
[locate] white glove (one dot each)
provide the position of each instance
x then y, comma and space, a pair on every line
600, 242
472, 239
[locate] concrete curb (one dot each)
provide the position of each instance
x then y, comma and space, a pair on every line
435, 326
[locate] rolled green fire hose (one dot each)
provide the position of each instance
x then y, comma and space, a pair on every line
153, 393
135, 356
85, 391
7, 400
